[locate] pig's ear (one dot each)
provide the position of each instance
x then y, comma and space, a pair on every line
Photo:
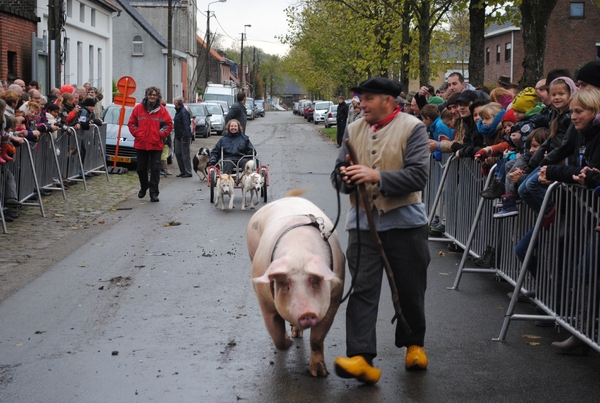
317, 267
276, 268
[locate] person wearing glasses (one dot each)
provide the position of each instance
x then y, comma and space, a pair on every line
150, 123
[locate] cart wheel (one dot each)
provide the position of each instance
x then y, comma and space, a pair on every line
213, 183
263, 173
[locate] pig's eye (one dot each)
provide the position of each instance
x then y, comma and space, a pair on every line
315, 282
283, 285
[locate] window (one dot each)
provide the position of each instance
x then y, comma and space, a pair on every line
597, 50
67, 70
93, 17
69, 8
487, 55
99, 81
577, 10
507, 53
498, 53
138, 46
79, 62
91, 64
82, 12
11, 59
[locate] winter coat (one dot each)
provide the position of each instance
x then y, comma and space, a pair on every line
149, 128
586, 152
234, 145
237, 112
342, 113
181, 123
554, 142
86, 117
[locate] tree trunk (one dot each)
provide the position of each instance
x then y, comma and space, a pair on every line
423, 23
477, 42
405, 46
534, 23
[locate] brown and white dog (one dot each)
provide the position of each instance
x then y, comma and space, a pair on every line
225, 186
200, 162
251, 182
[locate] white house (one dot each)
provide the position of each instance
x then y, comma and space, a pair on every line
87, 42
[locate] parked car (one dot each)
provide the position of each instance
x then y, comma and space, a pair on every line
223, 105
260, 107
331, 116
127, 153
250, 108
320, 111
295, 108
305, 108
311, 110
202, 118
217, 117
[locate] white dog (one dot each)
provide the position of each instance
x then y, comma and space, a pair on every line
251, 182
225, 186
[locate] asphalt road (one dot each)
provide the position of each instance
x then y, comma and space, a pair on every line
158, 307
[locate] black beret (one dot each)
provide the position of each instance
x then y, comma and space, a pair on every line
379, 85
466, 97
89, 102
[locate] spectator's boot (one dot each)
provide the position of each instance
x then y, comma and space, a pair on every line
487, 258
4, 158
356, 367
494, 190
509, 207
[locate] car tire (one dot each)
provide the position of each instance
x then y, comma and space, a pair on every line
316, 122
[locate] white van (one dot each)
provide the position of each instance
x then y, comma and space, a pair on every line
220, 92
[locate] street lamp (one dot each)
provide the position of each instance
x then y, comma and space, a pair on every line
208, 42
243, 73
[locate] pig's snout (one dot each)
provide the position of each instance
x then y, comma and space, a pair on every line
307, 320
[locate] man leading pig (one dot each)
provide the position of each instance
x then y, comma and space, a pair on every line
393, 164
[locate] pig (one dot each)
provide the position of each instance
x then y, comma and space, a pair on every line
305, 291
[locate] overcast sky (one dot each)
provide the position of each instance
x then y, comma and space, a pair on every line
266, 17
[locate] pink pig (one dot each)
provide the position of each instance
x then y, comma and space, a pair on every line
298, 276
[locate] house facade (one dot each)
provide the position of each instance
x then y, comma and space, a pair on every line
572, 39
184, 45
18, 20
219, 68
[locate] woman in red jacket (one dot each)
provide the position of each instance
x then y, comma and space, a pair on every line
150, 123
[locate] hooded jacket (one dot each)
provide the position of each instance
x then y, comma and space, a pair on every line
149, 128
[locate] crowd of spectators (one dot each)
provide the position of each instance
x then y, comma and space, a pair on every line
25, 113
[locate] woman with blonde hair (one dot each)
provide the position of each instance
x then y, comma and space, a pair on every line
502, 96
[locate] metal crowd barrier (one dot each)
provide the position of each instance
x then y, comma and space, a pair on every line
565, 284
68, 154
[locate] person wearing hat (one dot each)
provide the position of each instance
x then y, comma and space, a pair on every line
393, 164
468, 139
504, 82
589, 75
87, 116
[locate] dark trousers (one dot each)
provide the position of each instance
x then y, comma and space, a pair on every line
182, 153
152, 158
341, 128
407, 251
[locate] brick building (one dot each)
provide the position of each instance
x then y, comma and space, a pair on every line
219, 67
18, 21
573, 38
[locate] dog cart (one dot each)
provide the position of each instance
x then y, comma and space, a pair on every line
214, 171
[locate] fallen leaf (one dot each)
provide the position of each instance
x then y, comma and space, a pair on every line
83, 265
101, 222
442, 253
531, 336
58, 215
533, 343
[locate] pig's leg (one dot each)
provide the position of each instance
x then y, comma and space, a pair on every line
317, 366
296, 332
276, 327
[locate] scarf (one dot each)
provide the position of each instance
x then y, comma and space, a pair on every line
385, 121
489, 131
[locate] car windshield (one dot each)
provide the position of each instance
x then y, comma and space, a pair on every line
197, 110
334, 108
214, 109
322, 105
260, 103
112, 115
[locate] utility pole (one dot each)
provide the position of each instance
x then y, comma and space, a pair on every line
170, 53
208, 41
254, 73
55, 13
243, 72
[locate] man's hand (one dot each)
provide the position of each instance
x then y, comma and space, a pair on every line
357, 174
542, 177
